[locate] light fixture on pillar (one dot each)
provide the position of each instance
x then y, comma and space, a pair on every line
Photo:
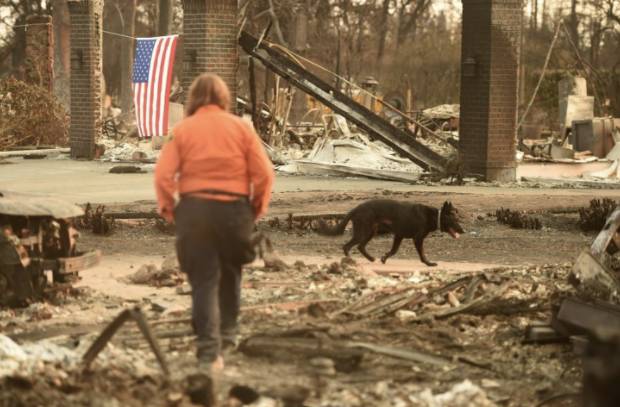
469, 67
78, 58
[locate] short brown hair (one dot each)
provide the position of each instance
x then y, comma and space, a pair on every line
207, 89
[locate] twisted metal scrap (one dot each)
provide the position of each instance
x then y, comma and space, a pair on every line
137, 315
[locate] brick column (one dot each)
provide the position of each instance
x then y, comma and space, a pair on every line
39, 51
210, 42
86, 76
489, 83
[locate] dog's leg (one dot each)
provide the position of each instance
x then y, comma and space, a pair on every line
362, 248
419, 245
349, 245
358, 237
393, 250
364, 241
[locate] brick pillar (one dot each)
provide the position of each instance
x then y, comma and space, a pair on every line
489, 83
39, 51
210, 42
86, 76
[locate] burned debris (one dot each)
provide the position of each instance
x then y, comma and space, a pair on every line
38, 246
517, 219
348, 109
95, 220
593, 217
31, 116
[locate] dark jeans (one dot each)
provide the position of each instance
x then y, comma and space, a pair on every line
213, 242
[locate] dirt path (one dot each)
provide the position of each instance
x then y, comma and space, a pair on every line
485, 243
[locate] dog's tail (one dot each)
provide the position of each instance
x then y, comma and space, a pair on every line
326, 230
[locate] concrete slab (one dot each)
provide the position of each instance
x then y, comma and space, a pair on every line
558, 170
89, 181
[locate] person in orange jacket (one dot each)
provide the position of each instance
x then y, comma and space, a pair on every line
216, 164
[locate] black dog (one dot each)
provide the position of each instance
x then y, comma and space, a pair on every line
404, 220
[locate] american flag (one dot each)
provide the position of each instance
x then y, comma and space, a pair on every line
152, 73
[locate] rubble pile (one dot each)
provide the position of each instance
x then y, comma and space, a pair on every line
462, 394
351, 154
140, 151
593, 217
47, 373
168, 275
95, 220
348, 322
517, 219
339, 324
330, 331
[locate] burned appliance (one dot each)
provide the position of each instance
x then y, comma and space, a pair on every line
38, 246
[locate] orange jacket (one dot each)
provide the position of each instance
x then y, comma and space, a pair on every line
215, 150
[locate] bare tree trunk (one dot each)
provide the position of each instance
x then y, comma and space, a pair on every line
62, 51
276, 24
128, 10
595, 43
299, 41
399, 28
543, 23
165, 17
338, 59
383, 30
534, 22
267, 89
574, 23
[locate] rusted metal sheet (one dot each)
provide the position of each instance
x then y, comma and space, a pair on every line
401, 141
26, 204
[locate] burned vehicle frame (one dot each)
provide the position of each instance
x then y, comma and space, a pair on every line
38, 246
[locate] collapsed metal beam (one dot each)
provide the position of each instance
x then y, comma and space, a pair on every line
401, 141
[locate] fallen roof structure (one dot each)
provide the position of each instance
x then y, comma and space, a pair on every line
401, 141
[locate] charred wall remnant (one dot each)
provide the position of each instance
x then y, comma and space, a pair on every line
210, 41
39, 51
489, 83
86, 76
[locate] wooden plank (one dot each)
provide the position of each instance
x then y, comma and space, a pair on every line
77, 263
